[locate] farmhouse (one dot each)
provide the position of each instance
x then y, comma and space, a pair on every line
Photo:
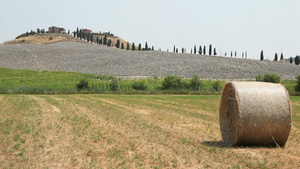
86, 30
54, 29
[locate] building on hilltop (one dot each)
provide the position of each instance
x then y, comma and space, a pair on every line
54, 29
86, 30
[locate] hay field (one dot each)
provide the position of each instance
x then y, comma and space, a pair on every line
127, 131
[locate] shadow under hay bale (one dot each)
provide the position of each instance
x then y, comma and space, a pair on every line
255, 114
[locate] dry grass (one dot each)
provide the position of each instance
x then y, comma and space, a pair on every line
127, 131
43, 39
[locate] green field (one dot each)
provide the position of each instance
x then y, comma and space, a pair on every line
60, 82
128, 131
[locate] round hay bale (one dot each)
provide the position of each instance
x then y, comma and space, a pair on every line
255, 114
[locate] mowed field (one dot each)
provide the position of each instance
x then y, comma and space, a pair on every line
128, 131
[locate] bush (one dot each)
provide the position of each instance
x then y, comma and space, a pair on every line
172, 82
297, 87
114, 84
139, 85
196, 83
272, 78
217, 86
82, 85
50, 38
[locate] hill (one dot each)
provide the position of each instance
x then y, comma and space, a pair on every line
103, 60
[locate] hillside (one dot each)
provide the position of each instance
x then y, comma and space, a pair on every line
97, 59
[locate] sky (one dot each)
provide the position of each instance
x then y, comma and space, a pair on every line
232, 25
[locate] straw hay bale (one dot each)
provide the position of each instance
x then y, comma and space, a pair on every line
255, 113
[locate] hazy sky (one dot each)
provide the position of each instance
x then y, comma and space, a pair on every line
231, 25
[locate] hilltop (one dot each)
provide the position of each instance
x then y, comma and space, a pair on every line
103, 60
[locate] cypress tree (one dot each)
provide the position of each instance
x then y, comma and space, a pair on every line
105, 40
235, 54
173, 50
77, 32
38, 30
182, 50
74, 34
210, 50
246, 55
92, 38
118, 43
97, 40
88, 38
83, 35
204, 50
291, 60
243, 55
127, 46
153, 48
27, 34
176, 50
276, 57
297, 60
146, 46
200, 50
140, 47
109, 43
195, 49
100, 41
231, 54
281, 56
215, 51
133, 46
122, 46
68, 31
262, 55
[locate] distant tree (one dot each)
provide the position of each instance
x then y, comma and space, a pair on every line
276, 57
297, 60
27, 34
225, 53
182, 50
215, 51
174, 49
80, 35
83, 35
88, 37
140, 47
246, 55
235, 54
109, 43
200, 50
52, 29
118, 43
262, 55
31, 32
43, 31
291, 59
74, 34
122, 46
77, 32
192, 51
281, 56
105, 40
101, 41
195, 49
68, 31
133, 46
97, 40
127, 46
153, 48
231, 54
146, 46
243, 55
92, 38
210, 50
38, 31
